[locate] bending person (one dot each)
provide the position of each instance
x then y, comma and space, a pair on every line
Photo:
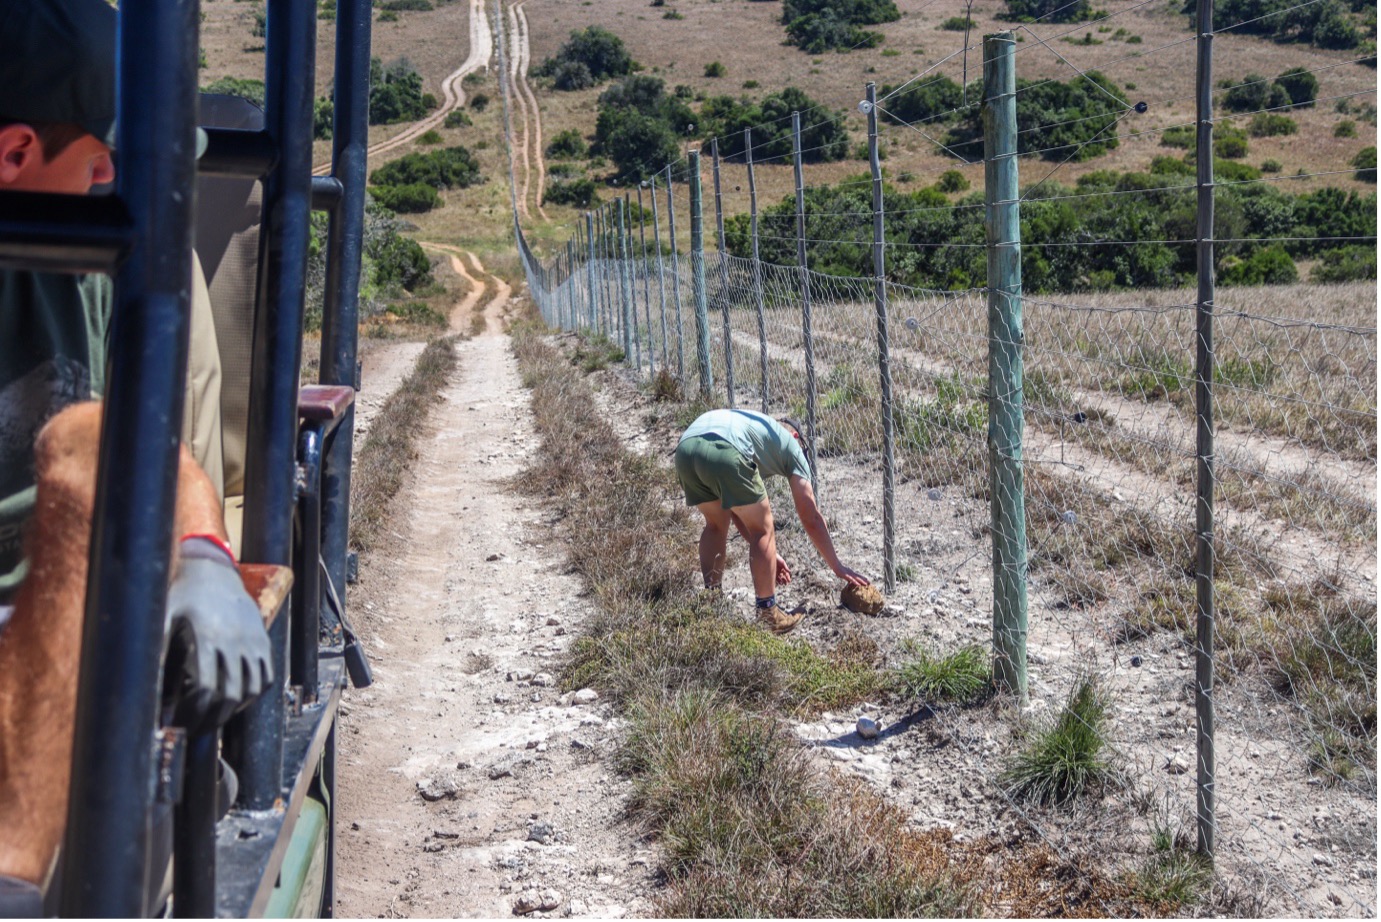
721, 461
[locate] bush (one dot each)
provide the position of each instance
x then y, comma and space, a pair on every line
413, 198
1347, 128
1228, 171
823, 136
1060, 121
1183, 136
448, 168
479, 102
858, 12
398, 6
924, 101
1230, 143
1346, 264
577, 192
567, 145
1267, 266
714, 69
260, 29
244, 87
952, 181
1065, 758
457, 118
1326, 25
1254, 92
1272, 166
395, 93
1300, 85
817, 33
323, 118
598, 50
1365, 164
1271, 125
957, 24
430, 136
572, 75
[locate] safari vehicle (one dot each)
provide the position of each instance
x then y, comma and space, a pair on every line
156, 824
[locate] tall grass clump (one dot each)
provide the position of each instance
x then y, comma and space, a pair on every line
383, 460
1065, 758
962, 677
1173, 875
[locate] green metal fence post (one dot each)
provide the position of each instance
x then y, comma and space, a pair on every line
1005, 427
889, 466
702, 308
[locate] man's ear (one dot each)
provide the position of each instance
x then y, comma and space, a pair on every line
19, 145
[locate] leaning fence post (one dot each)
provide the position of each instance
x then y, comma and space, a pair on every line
702, 310
601, 242
590, 307
723, 277
676, 283
806, 331
1005, 363
661, 278
647, 290
1203, 398
757, 263
570, 283
627, 312
889, 472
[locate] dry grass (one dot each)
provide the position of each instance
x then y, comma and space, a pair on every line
381, 466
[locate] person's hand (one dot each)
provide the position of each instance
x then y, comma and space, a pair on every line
849, 576
783, 572
219, 653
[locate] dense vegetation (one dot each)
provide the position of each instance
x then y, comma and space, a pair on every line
640, 126
816, 26
939, 244
410, 184
823, 135
395, 93
1330, 24
1061, 121
393, 266
1049, 10
1296, 88
587, 59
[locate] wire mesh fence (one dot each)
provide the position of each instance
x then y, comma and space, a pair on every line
1110, 392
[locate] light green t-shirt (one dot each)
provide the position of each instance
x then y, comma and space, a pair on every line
52, 354
758, 437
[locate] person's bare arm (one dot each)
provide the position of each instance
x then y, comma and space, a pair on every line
803, 495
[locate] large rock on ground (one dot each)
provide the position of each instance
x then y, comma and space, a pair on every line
866, 600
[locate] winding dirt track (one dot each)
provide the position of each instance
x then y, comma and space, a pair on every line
493, 308
453, 96
530, 152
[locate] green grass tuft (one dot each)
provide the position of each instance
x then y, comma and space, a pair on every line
963, 677
1067, 757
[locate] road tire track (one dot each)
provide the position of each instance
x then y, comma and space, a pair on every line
532, 129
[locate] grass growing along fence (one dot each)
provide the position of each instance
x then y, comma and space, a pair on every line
382, 463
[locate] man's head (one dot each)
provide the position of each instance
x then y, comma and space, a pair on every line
57, 94
793, 427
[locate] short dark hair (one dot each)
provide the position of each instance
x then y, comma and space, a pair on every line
792, 424
55, 137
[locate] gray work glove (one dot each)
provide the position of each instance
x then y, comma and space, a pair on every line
219, 656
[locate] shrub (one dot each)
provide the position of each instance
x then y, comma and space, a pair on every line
1182, 136
823, 136
1267, 266
962, 677
388, 16
1229, 171
395, 93
399, 6
957, 24
1346, 264
1326, 25
1365, 164
479, 102
1065, 758
598, 50
1254, 92
572, 75
714, 69
1230, 144
952, 181
577, 192
413, 198
1300, 85
1272, 166
431, 136
448, 168
1060, 121
568, 145
820, 32
457, 118
243, 87
323, 118
1271, 124
260, 29
924, 101
1347, 128
858, 12
326, 10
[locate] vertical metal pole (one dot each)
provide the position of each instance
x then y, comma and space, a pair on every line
1005, 363
1203, 396
758, 299
345, 247
647, 282
661, 277
723, 277
593, 305
604, 311
702, 310
676, 282
112, 779
627, 312
889, 474
806, 329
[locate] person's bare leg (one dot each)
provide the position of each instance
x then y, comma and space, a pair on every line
755, 523
714, 538
40, 651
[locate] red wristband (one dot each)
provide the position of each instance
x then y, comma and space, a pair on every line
217, 540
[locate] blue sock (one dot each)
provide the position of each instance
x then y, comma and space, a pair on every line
769, 602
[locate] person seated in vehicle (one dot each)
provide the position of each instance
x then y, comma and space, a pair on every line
57, 107
721, 461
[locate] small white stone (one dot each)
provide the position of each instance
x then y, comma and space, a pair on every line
585, 696
543, 679
867, 728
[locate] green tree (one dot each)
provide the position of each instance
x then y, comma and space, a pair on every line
395, 93
1048, 10
448, 168
600, 51
1300, 85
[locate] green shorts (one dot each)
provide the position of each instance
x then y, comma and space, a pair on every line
709, 468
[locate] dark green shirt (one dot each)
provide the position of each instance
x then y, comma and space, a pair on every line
52, 353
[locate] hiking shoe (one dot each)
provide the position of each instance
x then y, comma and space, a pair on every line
778, 621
